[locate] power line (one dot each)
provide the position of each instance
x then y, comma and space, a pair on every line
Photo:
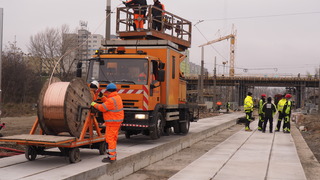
265, 16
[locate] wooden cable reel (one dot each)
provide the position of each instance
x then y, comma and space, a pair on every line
59, 106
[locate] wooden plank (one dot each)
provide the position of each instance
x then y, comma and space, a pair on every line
38, 138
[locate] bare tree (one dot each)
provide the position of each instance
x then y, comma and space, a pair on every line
54, 47
19, 83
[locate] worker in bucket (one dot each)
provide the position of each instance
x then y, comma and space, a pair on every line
138, 12
248, 108
261, 115
113, 115
287, 113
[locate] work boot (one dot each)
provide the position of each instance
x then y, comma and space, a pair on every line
107, 160
249, 130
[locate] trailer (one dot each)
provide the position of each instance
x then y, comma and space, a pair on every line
65, 121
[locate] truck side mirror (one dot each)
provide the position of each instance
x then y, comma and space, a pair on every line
161, 75
79, 69
161, 65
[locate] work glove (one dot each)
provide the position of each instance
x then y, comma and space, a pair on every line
100, 95
93, 103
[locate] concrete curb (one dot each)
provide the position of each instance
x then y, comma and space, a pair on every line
309, 162
130, 164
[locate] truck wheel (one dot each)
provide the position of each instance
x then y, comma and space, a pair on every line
31, 153
184, 126
159, 126
127, 134
176, 127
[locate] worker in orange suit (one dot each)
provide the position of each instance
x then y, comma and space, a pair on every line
138, 13
96, 95
113, 115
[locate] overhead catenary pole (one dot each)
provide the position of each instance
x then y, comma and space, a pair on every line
108, 19
200, 90
1, 33
214, 84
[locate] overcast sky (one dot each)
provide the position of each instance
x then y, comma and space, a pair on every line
274, 37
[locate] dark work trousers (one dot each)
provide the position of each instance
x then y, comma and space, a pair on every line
266, 119
261, 121
280, 117
286, 125
248, 119
157, 23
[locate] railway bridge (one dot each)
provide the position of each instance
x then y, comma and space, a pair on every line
238, 86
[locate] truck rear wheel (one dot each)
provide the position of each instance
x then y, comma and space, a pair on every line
184, 126
159, 126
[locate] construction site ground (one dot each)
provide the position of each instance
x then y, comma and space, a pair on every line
161, 170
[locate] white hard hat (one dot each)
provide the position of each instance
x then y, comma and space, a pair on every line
94, 84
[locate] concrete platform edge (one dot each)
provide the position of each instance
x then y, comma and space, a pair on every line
126, 166
309, 162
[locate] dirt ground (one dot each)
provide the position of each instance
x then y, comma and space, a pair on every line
310, 130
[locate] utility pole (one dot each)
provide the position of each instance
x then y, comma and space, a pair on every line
200, 89
108, 19
319, 91
1, 33
214, 84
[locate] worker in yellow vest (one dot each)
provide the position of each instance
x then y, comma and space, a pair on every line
281, 115
287, 113
248, 108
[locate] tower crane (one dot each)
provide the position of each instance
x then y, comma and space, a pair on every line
232, 38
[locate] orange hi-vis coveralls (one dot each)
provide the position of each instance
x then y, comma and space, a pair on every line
138, 14
113, 115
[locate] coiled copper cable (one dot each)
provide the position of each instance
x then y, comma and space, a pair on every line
63, 106
53, 103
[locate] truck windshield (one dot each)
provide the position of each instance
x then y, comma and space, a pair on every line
119, 71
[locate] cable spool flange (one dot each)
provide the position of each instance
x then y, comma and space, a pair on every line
59, 106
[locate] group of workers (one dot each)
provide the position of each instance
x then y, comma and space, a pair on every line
266, 111
139, 13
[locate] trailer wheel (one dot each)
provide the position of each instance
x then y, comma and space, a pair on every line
31, 153
102, 148
74, 155
159, 126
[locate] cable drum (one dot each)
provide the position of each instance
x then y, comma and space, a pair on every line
59, 106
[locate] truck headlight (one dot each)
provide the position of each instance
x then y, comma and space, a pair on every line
141, 116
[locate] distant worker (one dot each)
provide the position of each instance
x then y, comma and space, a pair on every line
113, 115
157, 15
261, 115
138, 12
248, 108
280, 105
268, 109
287, 113
228, 106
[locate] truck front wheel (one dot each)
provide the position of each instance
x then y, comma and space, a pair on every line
159, 126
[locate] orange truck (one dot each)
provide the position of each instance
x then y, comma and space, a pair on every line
145, 66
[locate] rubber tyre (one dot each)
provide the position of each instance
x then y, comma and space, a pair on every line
74, 155
102, 148
159, 126
127, 134
185, 125
31, 153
